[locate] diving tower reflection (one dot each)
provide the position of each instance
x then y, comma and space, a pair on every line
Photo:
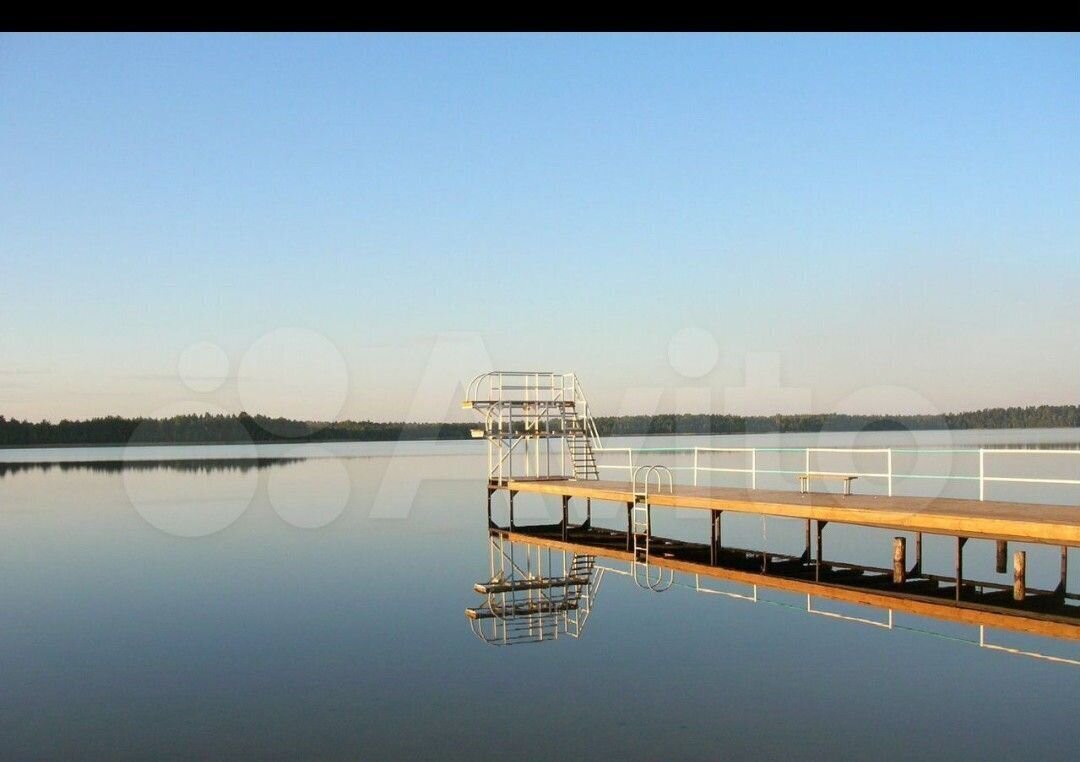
534, 593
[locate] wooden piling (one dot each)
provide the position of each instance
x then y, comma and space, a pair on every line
629, 527
1019, 575
817, 566
714, 538
1064, 570
960, 543
899, 560
565, 517
1002, 551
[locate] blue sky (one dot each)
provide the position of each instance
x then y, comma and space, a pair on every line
852, 222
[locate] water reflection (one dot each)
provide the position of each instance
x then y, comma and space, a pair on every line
194, 465
533, 593
540, 588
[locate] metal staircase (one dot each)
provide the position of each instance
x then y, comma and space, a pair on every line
582, 457
537, 425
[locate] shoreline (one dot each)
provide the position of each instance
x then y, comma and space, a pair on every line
298, 441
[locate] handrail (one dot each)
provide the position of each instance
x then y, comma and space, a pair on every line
472, 389
586, 415
659, 470
889, 474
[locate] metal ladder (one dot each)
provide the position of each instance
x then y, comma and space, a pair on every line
641, 529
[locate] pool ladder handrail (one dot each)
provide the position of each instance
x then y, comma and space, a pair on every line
641, 528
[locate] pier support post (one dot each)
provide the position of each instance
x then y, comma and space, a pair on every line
588, 512
960, 543
565, 517
629, 527
817, 565
1064, 571
916, 570
512, 493
714, 538
899, 560
806, 548
764, 550
1001, 561
490, 492
1019, 575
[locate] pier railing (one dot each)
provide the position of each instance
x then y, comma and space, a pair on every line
752, 467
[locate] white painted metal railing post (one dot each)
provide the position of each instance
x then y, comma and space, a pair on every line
982, 473
695, 465
890, 481
753, 468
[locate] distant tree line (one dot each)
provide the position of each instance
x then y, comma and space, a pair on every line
207, 428
1034, 417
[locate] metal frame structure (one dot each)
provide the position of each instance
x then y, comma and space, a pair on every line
533, 594
537, 425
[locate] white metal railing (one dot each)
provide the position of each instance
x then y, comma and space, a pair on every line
887, 474
650, 470
519, 406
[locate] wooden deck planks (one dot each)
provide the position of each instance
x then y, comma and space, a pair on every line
1021, 522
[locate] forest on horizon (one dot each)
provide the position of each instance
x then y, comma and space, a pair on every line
242, 427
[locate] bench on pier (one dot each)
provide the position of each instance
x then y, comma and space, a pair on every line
847, 479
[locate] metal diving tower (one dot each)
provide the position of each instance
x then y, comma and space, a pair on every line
537, 425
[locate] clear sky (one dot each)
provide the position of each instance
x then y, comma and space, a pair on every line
348, 225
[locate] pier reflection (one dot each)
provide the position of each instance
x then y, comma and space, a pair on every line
541, 587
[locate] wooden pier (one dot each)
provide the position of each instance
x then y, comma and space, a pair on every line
901, 586
1020, 522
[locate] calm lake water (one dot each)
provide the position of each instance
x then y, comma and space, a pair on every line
199, 601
